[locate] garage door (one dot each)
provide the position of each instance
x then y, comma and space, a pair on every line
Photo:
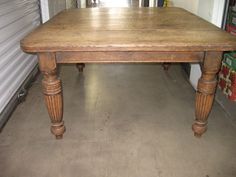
17, 18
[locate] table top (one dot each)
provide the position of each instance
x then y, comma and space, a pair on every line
127, 29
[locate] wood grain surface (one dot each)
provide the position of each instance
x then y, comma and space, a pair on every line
127, 29
99, 35
128, 57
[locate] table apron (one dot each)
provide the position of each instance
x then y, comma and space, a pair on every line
128, 57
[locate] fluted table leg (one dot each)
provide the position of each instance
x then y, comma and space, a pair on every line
206, 91
52, 91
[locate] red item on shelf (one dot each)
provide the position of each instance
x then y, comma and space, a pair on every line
224, 71
231, 29
227, 81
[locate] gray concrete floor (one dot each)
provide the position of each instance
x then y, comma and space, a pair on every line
130, 120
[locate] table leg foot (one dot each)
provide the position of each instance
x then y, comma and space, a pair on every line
80, 67
166, 66
59, 137
206, 91
58, 129
197, 135
52, 91
199, 128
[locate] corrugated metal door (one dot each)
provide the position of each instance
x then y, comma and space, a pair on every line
17, 18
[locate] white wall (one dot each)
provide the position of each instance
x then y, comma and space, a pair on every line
82, 3
49, 8
218, 12
190, 5
205, 9
212, 11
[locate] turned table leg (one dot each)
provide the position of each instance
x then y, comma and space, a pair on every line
52, 91
206, 91
80, 67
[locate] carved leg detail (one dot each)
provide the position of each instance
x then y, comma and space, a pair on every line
206, 91
52, 93
80, 67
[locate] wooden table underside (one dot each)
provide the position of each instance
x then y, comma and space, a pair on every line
128, 35
53, 91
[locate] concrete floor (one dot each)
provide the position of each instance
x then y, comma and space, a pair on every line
122, 121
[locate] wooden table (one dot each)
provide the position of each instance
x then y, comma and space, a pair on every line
128, 35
